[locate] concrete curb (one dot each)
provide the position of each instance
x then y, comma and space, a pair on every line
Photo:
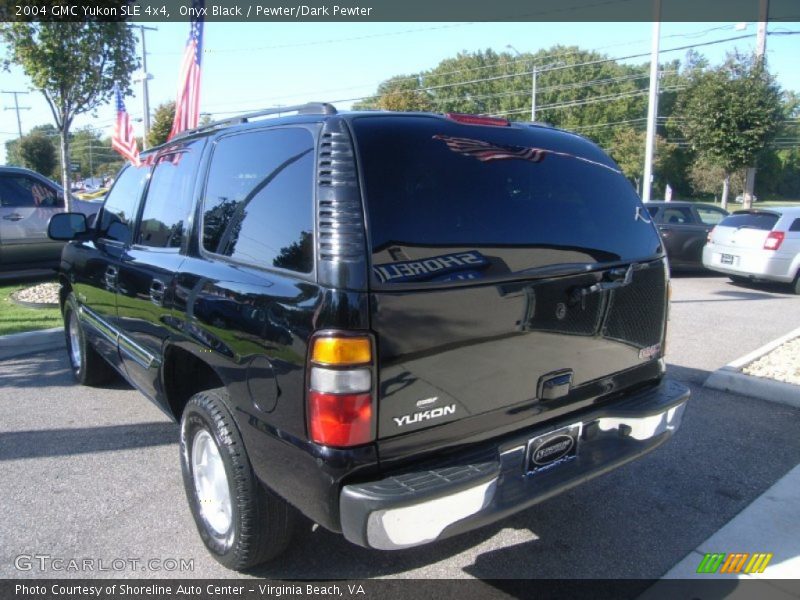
731, 379
28, 342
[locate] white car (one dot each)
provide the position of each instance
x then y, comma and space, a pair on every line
758, 244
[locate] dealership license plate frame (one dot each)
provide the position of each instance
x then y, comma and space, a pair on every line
535, 466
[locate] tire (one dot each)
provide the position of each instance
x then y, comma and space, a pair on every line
796, 284
251, 525
88, 367
739, 279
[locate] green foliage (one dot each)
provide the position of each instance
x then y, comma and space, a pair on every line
730, 113
401, 93
627, 149
74, 65
161, 124
12, 153
706, 178
37, 152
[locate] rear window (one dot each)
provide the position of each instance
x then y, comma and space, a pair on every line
452, 202
760, 220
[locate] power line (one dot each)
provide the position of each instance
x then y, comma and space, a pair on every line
512, 75
510, 62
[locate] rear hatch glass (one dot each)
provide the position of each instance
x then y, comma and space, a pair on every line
745, 230
450, 202
507, 262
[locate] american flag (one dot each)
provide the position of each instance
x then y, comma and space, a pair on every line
187, 104
486, 151
123, 140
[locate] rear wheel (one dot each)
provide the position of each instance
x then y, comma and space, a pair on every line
88, 367
796, 284
739, 279
241, 523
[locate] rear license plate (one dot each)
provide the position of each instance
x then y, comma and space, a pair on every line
727, 259
552, 449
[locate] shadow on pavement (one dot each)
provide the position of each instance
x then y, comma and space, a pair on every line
82, 440
44, 369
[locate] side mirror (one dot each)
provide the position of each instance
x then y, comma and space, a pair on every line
67, 226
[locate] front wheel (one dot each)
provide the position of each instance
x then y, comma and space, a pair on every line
88, 367
241, 523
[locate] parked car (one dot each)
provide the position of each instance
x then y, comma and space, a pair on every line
759, 244
684, 227
431, 321
27, 201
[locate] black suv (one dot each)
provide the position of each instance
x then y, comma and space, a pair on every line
404, 326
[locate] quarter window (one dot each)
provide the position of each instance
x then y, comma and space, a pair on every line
795, 226
258, 206
119, 210
710, 216
169, 197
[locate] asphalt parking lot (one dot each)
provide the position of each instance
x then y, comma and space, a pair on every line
95, 473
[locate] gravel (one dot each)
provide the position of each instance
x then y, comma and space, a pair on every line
44, 293
782, 364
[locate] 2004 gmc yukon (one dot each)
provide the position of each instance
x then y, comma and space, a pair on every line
405, 326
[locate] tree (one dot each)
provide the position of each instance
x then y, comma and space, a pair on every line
400, 93
162, 124
730, 114
627, 149
12, 153
37, 152
707, 177
74, 65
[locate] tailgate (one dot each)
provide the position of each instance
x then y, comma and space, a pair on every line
523, 348
515, 274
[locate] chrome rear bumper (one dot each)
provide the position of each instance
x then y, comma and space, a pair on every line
488, 483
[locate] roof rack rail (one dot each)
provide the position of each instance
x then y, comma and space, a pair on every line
310, 108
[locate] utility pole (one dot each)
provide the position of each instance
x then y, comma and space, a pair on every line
17, 108
761, 49
652, 105
533, 95
145, 78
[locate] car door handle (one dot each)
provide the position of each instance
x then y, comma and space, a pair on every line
13, 217
157, 292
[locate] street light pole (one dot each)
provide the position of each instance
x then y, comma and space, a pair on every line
145, 89
652, 105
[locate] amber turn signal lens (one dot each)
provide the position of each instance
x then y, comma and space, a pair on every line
342, 351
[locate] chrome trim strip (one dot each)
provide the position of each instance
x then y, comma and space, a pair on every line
138, 354
98, 324
134, 351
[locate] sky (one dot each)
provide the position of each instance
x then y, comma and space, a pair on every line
249, 66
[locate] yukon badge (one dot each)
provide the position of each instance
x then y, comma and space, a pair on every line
425, 415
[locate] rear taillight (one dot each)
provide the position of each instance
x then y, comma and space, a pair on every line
774, 240
340, 390
477, 120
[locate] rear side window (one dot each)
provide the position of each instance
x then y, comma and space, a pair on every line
169, 196
19, 191
710, 216
747, 220
258, 206
677, 216
452, 202
122, 202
